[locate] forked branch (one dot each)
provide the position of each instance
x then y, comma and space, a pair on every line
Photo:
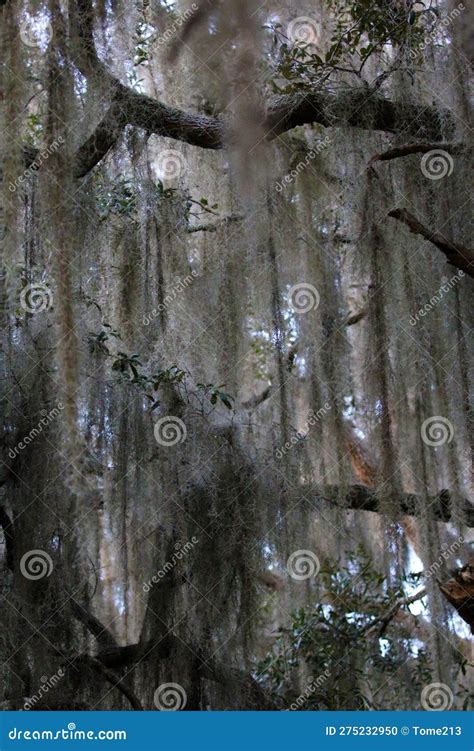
357, 108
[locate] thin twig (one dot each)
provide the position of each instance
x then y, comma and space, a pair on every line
385, 619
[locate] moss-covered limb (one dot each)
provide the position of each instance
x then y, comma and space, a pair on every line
93, 625
208, 667
361, 498
359, 108
100, 142
417, 148
457, 255
115, 681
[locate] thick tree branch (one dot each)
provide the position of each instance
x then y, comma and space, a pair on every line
360, 108
361, 498
416, 148
118, 657
99, 143
457, 255
357, 108
116, 682
93, 625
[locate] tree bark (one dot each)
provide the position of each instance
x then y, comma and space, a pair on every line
359, 107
